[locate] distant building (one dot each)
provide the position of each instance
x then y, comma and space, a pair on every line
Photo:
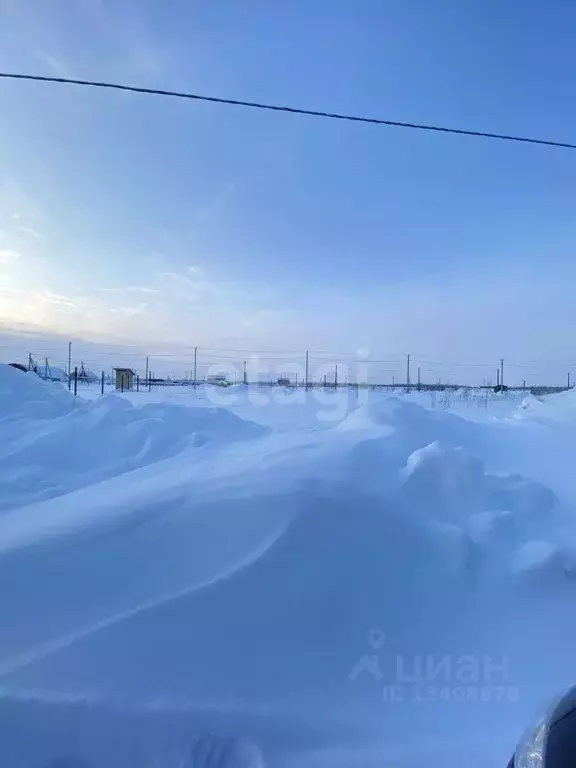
218, 380
124, 378
85, 376
283, 382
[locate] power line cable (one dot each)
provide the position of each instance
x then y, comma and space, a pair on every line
281, 108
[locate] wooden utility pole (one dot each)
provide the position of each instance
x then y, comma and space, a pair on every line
245, 372
408, 373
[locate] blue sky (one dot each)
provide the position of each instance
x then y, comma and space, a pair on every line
147, 220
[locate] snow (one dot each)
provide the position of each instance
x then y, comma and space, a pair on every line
251, 576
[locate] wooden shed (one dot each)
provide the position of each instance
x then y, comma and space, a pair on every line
124, 378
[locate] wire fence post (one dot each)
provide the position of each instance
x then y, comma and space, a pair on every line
102, 384
149, 382
69, 365
122, 383
76, 380
195, 364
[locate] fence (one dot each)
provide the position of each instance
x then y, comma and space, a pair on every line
76, 365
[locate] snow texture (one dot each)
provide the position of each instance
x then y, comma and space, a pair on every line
243, 579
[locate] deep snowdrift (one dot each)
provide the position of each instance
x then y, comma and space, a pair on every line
313, 592
53, 442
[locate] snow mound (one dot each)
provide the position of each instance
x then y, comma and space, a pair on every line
543, 562
197, 580
218, 752
54, 443
26, 395
450, 485
559, 407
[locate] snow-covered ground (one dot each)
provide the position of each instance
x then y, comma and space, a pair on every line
323, 578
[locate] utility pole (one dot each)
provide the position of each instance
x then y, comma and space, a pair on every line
393, 382
418, 378
306, 376
147, 377
524, 384
245, 373
498, 377
408, 373
195, 364
501, 371
69, 365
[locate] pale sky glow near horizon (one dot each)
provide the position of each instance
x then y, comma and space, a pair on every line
136, 220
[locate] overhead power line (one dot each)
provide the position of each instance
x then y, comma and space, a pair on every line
280, 108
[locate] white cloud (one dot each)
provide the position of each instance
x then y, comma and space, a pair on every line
167, 312
30, 231
130, 289
8, 256
130, 311
21, 217
59, 67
